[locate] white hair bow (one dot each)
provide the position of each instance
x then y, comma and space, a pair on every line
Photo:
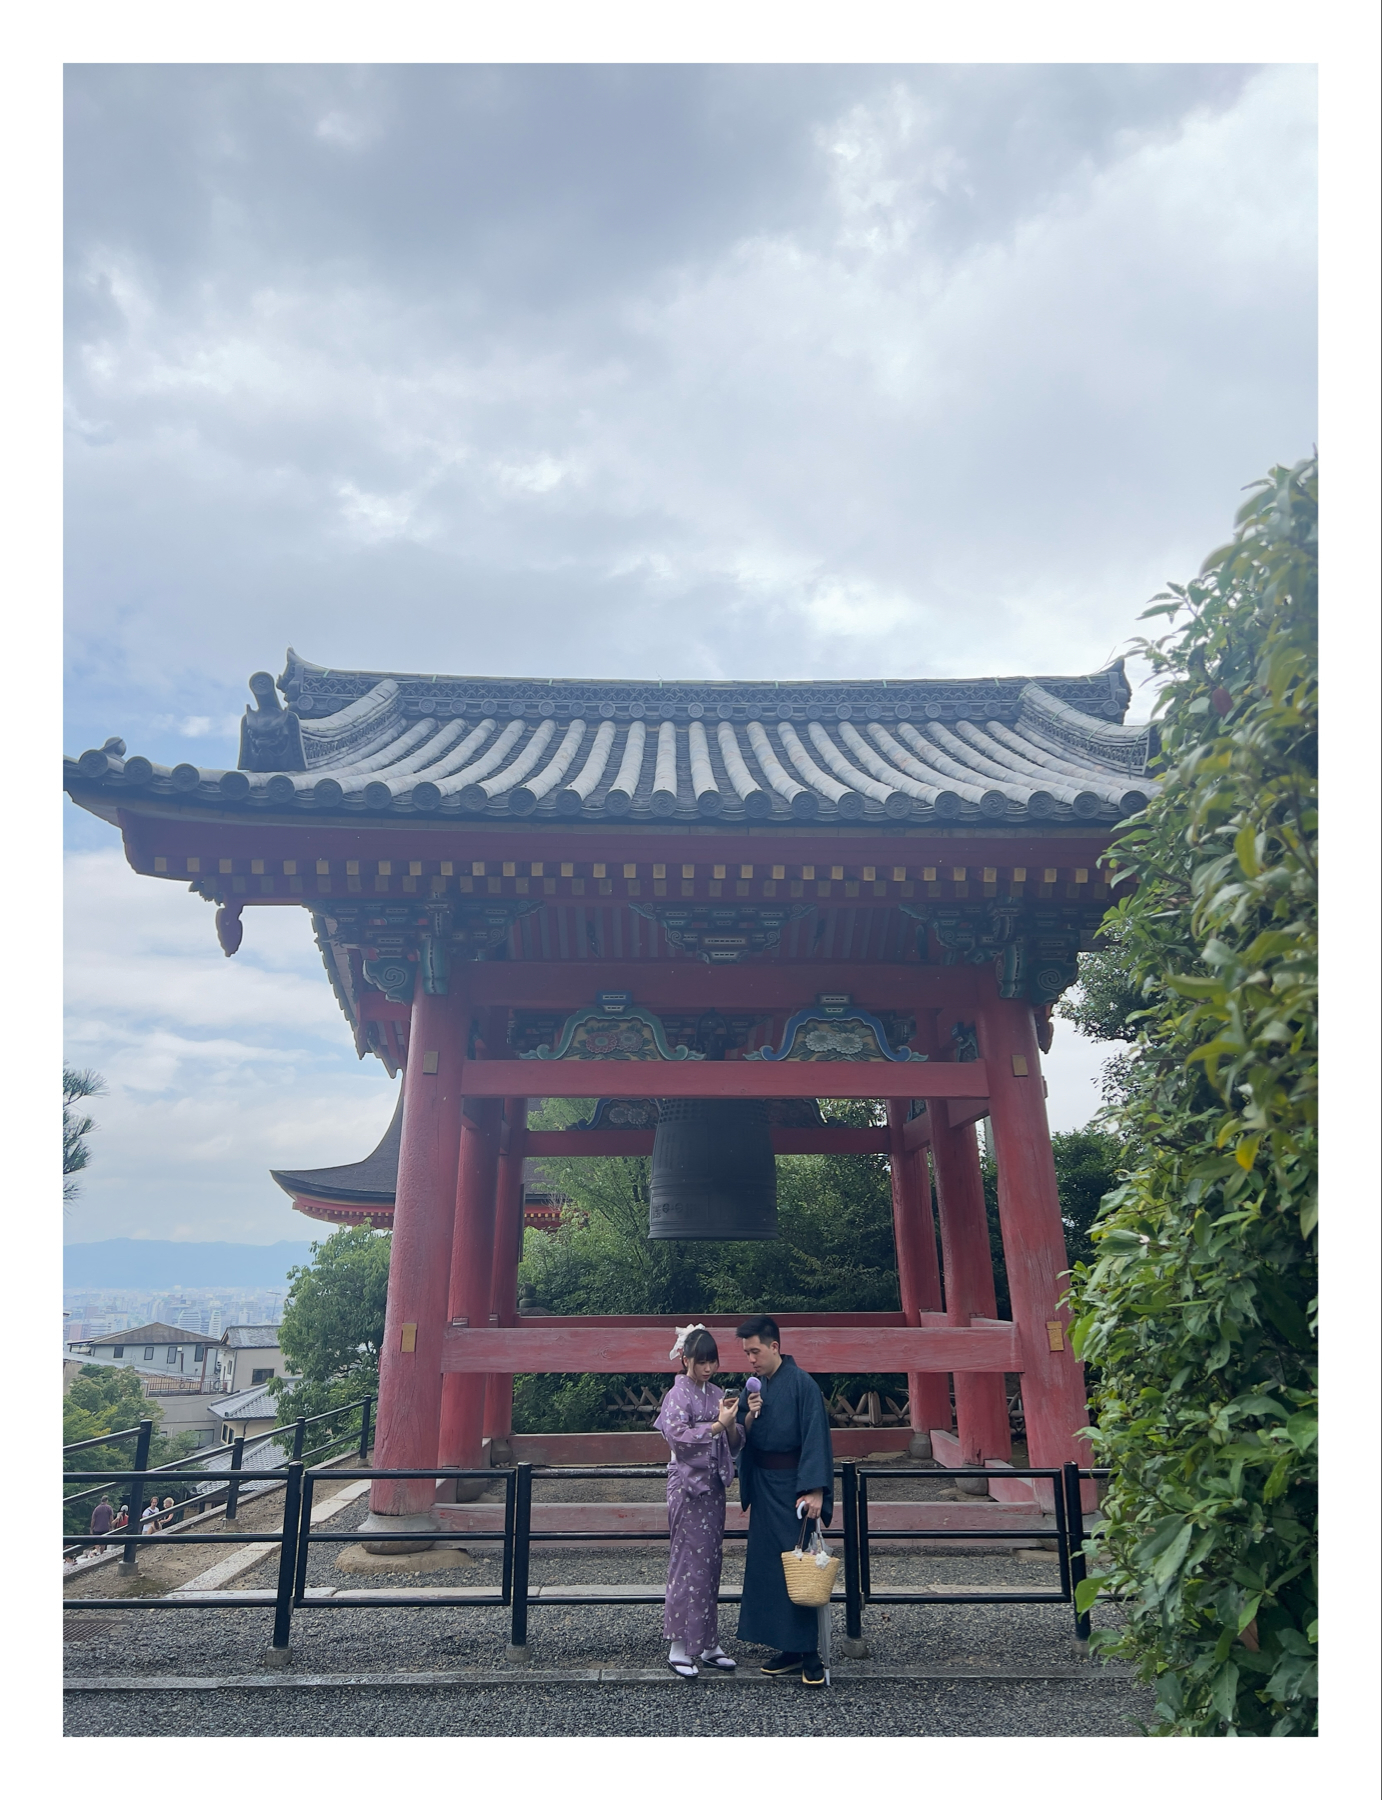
683, 1332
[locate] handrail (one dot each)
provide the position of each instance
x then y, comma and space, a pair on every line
106, 1479
184, 1462
295, 1538
106, 1437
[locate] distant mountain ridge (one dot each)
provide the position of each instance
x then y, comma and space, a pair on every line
157, 1263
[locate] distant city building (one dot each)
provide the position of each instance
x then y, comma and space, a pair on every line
249, 1356
245, 1414
168, 1351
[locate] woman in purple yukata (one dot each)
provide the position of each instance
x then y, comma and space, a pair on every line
698, 1422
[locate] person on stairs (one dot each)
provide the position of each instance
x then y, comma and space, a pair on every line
698, 1422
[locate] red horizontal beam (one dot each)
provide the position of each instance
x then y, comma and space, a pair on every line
778, 986
586, 1349
830, 1140
723, 1080
722, 1325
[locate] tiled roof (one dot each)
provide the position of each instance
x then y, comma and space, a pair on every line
268, 1455
251, 1337
358, 743
154, 1333
250, 1403
373, 1179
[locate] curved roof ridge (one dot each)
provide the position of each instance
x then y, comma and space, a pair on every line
351, 743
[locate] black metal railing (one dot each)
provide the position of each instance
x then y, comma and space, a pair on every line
295, 1537
1067, 1533
851, 1525
141, 1474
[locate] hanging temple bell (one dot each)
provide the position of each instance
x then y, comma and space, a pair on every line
713, 1171
713, 1176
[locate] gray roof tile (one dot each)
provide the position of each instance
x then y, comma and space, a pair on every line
391, 745
154, 1334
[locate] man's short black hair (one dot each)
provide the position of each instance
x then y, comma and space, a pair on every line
761, 1327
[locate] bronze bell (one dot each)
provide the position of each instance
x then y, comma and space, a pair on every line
713, 1171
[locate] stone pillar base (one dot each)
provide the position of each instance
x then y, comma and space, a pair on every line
854, 1648
127, 1568
277, 1659
452, 1492
422, 1525
972, 1484
517, 1653
919, 1449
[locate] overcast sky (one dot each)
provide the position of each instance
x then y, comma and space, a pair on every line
737, 372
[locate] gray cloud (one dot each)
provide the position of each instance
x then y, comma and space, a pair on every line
755, 371
660, 371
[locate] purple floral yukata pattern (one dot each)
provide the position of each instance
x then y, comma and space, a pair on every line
698, 1474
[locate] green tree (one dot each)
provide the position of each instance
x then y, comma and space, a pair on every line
1197, 1309
1107, 1001
77, 1084
333, 1327
103, 1400
1087, 1164
834, 1253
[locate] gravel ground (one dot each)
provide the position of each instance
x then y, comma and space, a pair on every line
902, 1709
976, 1639
1008, 1637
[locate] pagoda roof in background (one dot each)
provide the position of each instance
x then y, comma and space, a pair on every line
363, 1193
350, 1193
351, 744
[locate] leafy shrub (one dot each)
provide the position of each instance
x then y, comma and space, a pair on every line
105, 1400
1198, 1312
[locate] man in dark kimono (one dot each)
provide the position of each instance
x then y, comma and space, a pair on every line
786, 1459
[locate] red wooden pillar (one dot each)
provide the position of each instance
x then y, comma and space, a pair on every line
981, 1407
508, 1248
1034, 1250
918, 1271
410, 1381
472, 1260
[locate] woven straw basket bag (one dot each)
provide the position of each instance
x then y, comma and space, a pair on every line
810, 1583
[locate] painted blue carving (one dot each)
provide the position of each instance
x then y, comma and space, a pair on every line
620, 1114
819, 1015
591, 1035
392, 973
